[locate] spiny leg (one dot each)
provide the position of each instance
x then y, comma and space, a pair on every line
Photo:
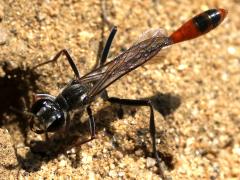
56, 57
133, 102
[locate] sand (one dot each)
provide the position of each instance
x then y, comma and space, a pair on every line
195, 90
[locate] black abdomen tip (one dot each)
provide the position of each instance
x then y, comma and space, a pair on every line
208, 20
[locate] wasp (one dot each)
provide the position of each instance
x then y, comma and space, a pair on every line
49, 113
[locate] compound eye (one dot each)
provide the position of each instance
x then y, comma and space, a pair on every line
39, 104
49, 117
37, 124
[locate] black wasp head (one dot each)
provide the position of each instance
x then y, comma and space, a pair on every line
48, 116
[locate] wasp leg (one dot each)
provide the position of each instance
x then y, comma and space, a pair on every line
107, 46
67, 125
92, 125
46, 133
91, 128
104, 51
56, 57
152, 128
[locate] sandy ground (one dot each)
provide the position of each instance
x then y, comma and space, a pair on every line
195, 89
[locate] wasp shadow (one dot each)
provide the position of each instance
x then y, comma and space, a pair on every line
165, 104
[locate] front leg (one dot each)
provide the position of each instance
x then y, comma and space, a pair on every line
92, 128
92, 125
152, 128
56, 57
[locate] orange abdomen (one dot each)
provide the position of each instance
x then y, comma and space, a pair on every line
199, 25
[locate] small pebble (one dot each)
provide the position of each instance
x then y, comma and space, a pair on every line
3, 36
41, 16
236, 150
182, 67
150, 162
121, 174
119, 155
112, 173
91, 175
139, 152
231, 50
62, 163
112, 166
86, 159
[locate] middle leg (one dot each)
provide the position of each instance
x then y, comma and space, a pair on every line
152, 128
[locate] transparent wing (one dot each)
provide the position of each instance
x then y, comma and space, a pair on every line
96, 74
155, 33
151, 33
135, 56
